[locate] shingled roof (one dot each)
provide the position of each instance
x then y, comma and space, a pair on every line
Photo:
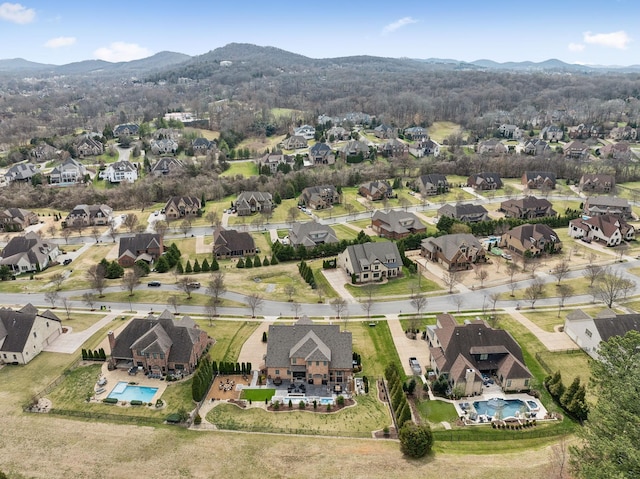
15, 326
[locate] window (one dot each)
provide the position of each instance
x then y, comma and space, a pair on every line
483, 357
588, 333
162, 356
155, 355
526, 382
47, 324
508, 383
317, 363
324, 363
293, 360
277, 371
15, 357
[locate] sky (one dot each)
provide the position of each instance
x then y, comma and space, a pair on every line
593, 32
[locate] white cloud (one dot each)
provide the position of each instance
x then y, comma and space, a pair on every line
576, 47
121, 52
614, 39
16, 13
392, 27
60, 42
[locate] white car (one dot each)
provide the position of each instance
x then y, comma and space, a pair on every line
507, 256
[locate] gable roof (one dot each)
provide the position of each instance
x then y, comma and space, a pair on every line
400, 222
528, 233
16, 326
164, 165
543, 175
450, 244
617, 326
132, 245
311, 233
226, 241
368, 253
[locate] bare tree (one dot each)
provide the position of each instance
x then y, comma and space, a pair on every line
174, 302
560, 270
458, 300
612, 286
211, 310
558, 465
67, 304
621, 250
418, 301
481, 273
95, 232
52, 297
113, 230
65, 233
350, 209
212, 217
368, 302
184, 284
292, 215
534, 264
255, 302
185, 226
130, 281
52, 230
451, 280
90, 300
161, 227
320, 293
534, 291
593, 273
130, 222
57, 279
215, 289
404, 203
96, 275
296, 307
494, 297
564, 291
512, 269
339, 305
290, 291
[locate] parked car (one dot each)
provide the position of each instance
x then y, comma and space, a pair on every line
67, 261
586, 239
154, 284
193, 285
507, 256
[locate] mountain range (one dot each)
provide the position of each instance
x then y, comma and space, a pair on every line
247, 53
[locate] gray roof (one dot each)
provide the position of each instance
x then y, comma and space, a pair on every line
315, 342
368, 253
228, 241
15, 326
139, 243
30, 245
164, 165
532, 175
311, 233
450, 244
23, 171
608, 201
617, 326
462, 209
400, 222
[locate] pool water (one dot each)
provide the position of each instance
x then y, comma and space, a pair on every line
124, 391
505, 408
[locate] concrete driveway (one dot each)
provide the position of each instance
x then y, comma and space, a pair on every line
70, 342
337, 278
408, 348
253, 350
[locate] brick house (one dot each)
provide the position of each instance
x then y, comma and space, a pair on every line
142, 247
432, 184
527, 208
17, 219
485, 181
396, 225
250, 202
371, 261
181, 207
466, 212
607, 205
539, 180
536, 238
453, 251
376, 190
88, 215
597, 183
319, 197
228, 243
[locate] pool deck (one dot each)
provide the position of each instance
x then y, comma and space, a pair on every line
113, 377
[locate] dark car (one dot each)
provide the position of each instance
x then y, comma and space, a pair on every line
154, 284
67, 261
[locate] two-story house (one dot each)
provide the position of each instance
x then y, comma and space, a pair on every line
607, 205
228, 243
273, 162
88, 146
465, 212
126, 129
182, 207
21, 173
67, 173
371, 262
535, 238
396, 225
295, 142
145, 247
88, 215
166, 165
597, 183
376, 190
120, 171
17, 219
320, 154
608, 229
28, 253
453, 251
319, 197
541, 180
527, 208
432, 184
250, 202
311, 234
415, 133
485, 181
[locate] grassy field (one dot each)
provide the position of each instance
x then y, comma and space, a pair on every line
257, 394
229, 336
243, 168
344, 232
440, 130
550, 290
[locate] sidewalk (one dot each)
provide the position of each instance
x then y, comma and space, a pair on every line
551, 341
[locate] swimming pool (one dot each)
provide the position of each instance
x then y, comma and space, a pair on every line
502, 407
124, 391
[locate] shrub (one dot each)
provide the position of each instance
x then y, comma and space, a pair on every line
276, 405
173, 418
110, 400
340, 400
415, 441
290, 404
197, 420
136, 402
301, 405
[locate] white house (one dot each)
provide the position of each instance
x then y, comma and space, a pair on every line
120, 171
607, 229
28, 253
306, 131
371, 261
25, 333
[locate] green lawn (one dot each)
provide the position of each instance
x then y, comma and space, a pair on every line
257, 394
229, 336
344, 232
244, 168
437, 411
401, 286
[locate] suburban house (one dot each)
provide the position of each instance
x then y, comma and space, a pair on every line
465, 212
250, 202
576, 150
22, 172
394, 148
536, 238
294, 142
273, 161
202, 146
88, 146
170, 133
415, 133
319, 197
485, 181
385, 131
536, 147
337, 133
491, 147
539, 180
432, 184
44, 152
68, 173
510, 131
424, 148
28, 253
232, 243
597, 183
610, 230
527, 208
159, 345
588, 332
181, 206
454, 251
166, 165
306, 131
145, 247
88, 215
17, 219
320, 154
25, 333
354, 148
552, 133
617, 151
607, 205
371, 261
623, 133
313, 353
376, 190
464, 353
582, 131
310, 234
396, 224
120, 171
164, 146
126, 129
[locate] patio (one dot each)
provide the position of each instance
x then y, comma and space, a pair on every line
302, 391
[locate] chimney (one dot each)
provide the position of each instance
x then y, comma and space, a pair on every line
112, 341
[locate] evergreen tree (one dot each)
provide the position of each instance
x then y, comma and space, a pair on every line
274, 260
179, 268
240, 263
265, 262
162, 266
205, 266
214, 264
248, 263
188, 269
415, 441
256, 261
196, 266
